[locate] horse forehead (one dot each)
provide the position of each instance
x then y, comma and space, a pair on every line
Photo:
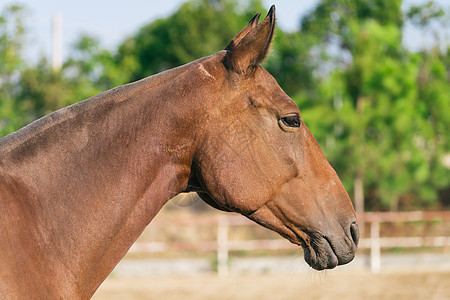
271, 87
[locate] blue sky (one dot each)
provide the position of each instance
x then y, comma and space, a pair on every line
112, 21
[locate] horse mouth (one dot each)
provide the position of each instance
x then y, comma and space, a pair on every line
322, 254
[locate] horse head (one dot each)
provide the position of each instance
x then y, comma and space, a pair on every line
257, 157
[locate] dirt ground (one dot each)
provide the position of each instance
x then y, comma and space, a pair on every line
313, 285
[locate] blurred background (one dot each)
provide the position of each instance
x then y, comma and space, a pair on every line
372, 80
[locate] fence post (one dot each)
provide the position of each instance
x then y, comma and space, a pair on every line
375, 246
222, 246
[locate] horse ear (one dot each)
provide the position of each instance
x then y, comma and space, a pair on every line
250, 46
252, 24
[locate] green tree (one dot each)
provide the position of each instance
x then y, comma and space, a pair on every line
92, 69
198, 28
42, 90
432, 139
373, 118
12, 39
88, 71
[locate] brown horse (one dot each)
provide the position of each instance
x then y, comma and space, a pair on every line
78, 186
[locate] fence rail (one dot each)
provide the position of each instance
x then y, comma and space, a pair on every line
375, 241
222, 245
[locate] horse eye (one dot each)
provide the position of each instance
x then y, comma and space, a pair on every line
291, 121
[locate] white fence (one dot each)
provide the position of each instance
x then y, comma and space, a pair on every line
376, 241
222, 245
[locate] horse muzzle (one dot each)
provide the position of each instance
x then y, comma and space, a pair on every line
328, 251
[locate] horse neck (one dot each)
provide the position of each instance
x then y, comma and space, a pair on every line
96, 174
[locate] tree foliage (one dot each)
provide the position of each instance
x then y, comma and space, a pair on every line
379, 116
12, 34
196, 29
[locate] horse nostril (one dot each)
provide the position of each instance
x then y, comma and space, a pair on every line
354, 230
